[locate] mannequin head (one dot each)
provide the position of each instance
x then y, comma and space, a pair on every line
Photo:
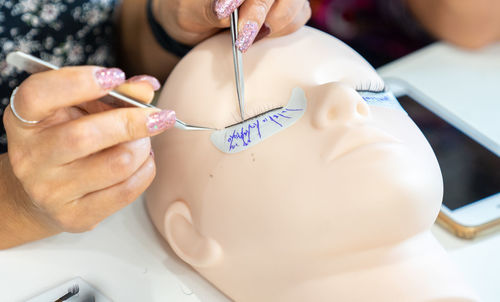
345, 178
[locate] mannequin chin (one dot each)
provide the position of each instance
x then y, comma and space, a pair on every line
337, 206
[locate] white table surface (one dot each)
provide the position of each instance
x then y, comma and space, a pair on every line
126, 259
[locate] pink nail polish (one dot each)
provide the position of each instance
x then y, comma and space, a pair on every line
152, 153
109, 78
162, 120
246, 36
223, 8
145, 78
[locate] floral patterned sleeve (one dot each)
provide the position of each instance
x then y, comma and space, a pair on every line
63, 32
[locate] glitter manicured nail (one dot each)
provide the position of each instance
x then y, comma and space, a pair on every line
109, 78
246, 36
145, 78
223, 8
159, 121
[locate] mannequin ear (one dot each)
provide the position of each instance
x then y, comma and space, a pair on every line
192, 247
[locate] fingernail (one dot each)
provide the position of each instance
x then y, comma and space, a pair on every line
145, 78
152, 153
263, 32
109, 78
246, 36
223, 8
162, 120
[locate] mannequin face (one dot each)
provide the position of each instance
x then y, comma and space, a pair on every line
346, 177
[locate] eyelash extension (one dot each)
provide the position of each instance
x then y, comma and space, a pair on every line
371, 87
263, 111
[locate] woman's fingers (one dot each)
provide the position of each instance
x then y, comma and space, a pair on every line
92, 133
224, 8
43, 93
260, 18
298, 21
284, 14
140, 87
85, 213
104, 169
252, 15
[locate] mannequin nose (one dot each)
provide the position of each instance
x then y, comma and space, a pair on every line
336, 103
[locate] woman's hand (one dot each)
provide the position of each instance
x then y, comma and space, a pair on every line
191, 21
82, 162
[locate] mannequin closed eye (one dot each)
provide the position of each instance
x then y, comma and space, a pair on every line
375, 94
260, 112
243, 135
371, 86
381, 99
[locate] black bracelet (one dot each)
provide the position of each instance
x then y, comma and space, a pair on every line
165, 41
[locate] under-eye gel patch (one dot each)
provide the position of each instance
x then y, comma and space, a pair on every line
250, 132
382, 99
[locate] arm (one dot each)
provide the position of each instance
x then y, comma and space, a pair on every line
467, 23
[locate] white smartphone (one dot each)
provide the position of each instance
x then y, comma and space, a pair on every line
469, 162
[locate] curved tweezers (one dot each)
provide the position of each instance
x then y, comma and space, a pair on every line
33, 64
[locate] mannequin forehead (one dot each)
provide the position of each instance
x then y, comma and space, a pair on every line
201, 89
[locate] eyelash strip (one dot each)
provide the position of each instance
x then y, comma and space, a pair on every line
370, 87
254, 115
